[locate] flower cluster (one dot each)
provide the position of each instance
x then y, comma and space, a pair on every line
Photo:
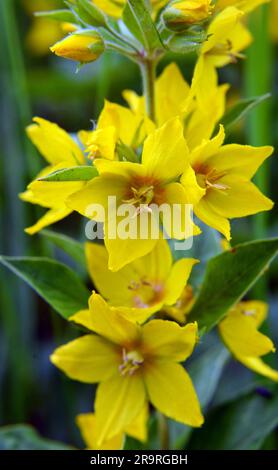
165, 148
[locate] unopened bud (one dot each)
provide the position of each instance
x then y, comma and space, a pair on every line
181, 14
82, 47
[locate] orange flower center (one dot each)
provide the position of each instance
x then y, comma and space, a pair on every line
146, 292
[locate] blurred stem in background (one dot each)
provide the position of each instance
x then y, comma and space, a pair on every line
258, 81
148, 69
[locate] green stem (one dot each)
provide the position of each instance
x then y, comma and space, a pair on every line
148, 69
258, 81
163, 432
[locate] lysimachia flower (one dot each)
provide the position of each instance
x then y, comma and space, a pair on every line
60, 151
244, 5
227, 38
137, 429
112, 129
225, 172
79, 46
183, 13
239, 331
146, 285
138, 186
133, 364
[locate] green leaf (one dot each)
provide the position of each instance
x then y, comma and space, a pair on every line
131, 23
185, 43
243, 425
76, 173
145, 23
58, 15
24, 437
89, 13
67, 244
55, 282
228, 277
240, 109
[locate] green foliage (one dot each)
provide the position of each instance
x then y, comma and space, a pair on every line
55, 282
70, 246
89, 13
77, 173
23, 437
58, 15
243, 425
233, 273
240, 110
144, 21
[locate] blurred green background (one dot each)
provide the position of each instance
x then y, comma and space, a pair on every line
36, 83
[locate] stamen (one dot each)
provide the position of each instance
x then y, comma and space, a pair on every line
132, 360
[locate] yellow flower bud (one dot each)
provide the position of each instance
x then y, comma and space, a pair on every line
181, 14
80, 47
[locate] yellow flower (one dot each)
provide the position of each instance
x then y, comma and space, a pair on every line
181, 14
224, 172
115, 8
137, 429
146, 285
173, 97
227, 37
112, 128
80, 47
60, 151
239, 331
244, 5
133, 364
154, 181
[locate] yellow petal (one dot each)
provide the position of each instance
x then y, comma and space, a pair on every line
102, 143
171, 91
178, 278
171, 391
257, 365
87, 425
96, 192
51, 216
256, 309
110, 324
239, 332
193, 191
119, 400
241, 160
165, 153
54, 143
207, 148
87, 359
205, 212
242, 198
139, 427
204, 82
53, 194
221, 26
167, 340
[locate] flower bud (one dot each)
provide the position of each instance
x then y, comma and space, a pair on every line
181, 14
82, 47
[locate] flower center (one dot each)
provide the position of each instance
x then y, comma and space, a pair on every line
226, 48
146, 292
210, 179
132, 360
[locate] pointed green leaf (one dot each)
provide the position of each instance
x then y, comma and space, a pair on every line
90, 13
55, 282
58, 15
24, 437
146, 25
70, 246
228, 277
240, 109
76, 173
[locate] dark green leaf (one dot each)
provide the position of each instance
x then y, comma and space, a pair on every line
67, 244
58, 15
55, 282
130, 21
145, 23
76, 173
243, 425
240, 109
228, 277
24, 437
